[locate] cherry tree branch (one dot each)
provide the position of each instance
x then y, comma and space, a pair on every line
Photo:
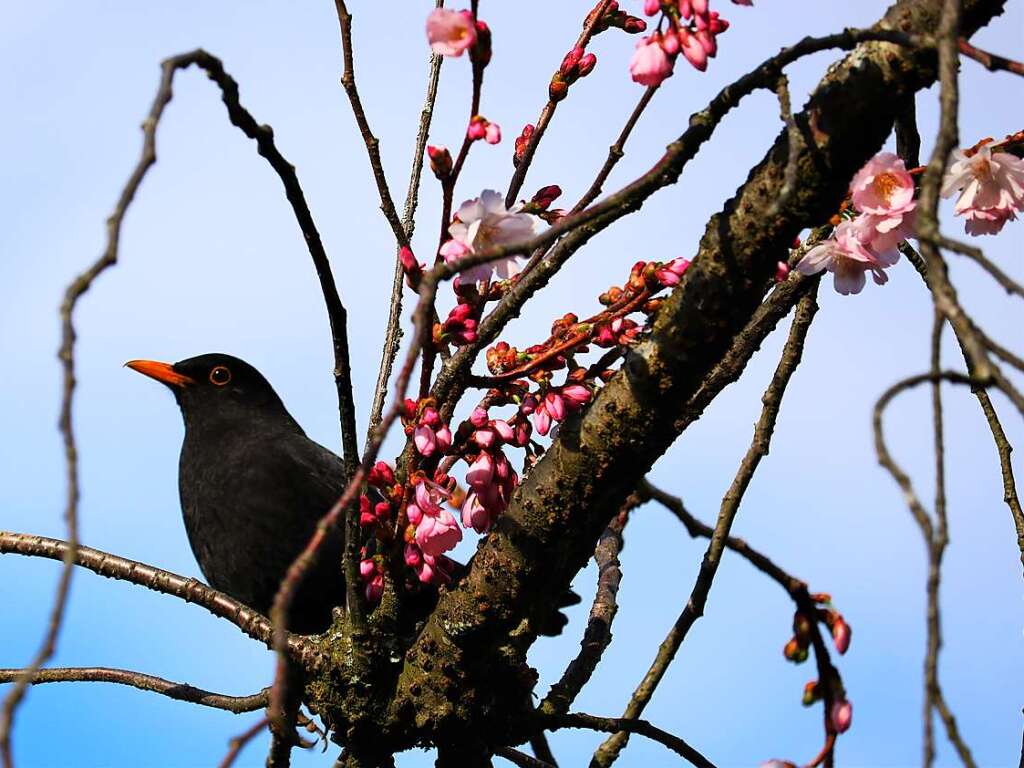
144, 682
991, 61
111, 566
607, 753
238, 743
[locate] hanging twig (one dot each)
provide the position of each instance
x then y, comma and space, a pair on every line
607, 753
631, 725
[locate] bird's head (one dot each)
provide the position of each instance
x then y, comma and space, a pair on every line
214, 385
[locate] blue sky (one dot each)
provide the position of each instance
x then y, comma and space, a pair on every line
212, 260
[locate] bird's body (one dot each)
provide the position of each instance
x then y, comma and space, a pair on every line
253, 487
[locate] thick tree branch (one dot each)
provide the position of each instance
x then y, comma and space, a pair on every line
560, 509
144, 682
190, 590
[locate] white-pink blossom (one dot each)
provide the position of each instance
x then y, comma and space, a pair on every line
450, 32
885, 189
991, 186
848, 256
650, 64
485, 222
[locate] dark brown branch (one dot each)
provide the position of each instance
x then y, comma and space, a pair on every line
598, 634
642, 727
542, 750
794, 140
991, 61
237, 744
144, 682
393, 335
189, 590
548, 112
908, 138
521, 759
607, 753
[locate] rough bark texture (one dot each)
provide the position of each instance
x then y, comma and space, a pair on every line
459, 677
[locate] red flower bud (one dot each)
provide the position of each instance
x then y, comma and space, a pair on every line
586, 65
440, 161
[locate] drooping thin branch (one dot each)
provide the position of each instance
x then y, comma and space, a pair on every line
607, 753
542, 750
1004, 449
519, 176
393, 335
190, 590
943, 293
144, 682
991, 61
630, 725
237, 744
935, 539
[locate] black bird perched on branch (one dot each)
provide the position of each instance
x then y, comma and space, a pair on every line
252, 487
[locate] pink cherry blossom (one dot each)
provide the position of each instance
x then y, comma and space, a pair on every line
848, 256
430, 569
450, 32
670, 274
492, 134
436, 529
885, 190
481, 471
650, 64
485, 222
991, 186
373, 578
475, 515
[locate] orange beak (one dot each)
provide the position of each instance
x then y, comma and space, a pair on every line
162, 372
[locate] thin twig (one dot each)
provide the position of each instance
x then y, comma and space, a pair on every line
615, 152
144, 682
630, 725
348, 82
793, 145
393, 335
542, 750
237, 744
190, 590
991, 61
607, 753
519, 176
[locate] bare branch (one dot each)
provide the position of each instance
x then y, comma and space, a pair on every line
189, 590
628, 725
144, 682
607, 753
516, 757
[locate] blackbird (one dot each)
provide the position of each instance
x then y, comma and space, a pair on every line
252, 487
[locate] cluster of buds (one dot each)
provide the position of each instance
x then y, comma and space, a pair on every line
375, 507
693, 29
479, 128
491, 480
540, 204
555, 405
460, 326
576, 64
423, 423
615, 17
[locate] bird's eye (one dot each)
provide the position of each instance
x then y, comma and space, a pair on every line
220, 376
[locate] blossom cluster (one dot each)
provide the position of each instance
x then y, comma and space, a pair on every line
991, 187
692, 29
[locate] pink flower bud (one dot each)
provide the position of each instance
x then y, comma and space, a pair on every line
650, 64
477, 128
366, 568
587, 64
707, 42
651, 7
504, 430
634, 25
413, 556
693, 50
841, 634
576, 394
492, 134
424, 440
443, 436
440, 161
571, 61
841, 716
382, 510
781, 272
555, 405
481, 472
479, 417
670, 44
485, 438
